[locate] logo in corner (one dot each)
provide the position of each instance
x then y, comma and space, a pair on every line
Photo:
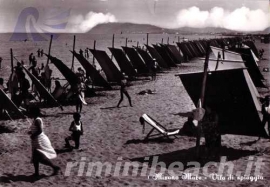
38, 26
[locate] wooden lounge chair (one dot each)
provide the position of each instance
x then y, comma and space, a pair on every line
162, 131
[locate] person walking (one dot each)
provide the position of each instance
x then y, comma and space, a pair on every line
31, 59
42, 150
123, 90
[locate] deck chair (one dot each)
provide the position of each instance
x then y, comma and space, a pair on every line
162, 131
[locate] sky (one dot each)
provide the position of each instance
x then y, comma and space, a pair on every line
78, 16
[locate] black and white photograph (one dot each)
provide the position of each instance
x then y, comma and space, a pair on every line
112, 93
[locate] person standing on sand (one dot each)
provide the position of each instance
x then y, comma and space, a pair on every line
154, 69
76, 128
38, 52
81, 52
30, 59
24, 93
123, 90
42, 150
79, 89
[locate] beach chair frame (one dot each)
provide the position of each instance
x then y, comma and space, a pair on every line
162, 131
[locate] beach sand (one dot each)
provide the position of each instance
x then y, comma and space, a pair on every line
113, 134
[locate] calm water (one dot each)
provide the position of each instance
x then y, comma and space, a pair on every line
63, 44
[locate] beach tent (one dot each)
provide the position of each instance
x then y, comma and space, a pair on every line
8, 105
41, 89
176, 59
186, 53
136, 60
234, 61
253, 47
91, 72
176, 53
69, 75
197, 49
148, 60
164, 54
200, 47
204, 44
111, 71
191, 49
227, 92
124, 64
162, 63
251, 64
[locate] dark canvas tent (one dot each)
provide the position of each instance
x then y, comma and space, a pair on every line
228, 94
41, 89
69, 75
197, 49
233, 61
146, 58
201, 47
169, 54
136, 60
7, 104
124, 64
111, 71
157, 56
164, 54
187, 54
251, 64
175, 53
252, 47
91, 72
191, 49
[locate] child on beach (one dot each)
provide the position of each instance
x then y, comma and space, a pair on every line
77, 130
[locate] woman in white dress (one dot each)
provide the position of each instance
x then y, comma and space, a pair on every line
42, 150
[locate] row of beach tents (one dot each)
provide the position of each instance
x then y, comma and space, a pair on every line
231, 83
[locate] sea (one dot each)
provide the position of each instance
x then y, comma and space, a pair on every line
63, 44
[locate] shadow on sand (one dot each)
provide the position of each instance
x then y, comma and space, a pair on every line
152, 140
64, 150
189, 155
10, 178
112, 107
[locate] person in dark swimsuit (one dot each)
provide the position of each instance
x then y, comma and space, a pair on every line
123, 90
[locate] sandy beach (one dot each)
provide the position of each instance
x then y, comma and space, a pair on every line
113, 134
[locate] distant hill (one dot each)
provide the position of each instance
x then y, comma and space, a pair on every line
118, 28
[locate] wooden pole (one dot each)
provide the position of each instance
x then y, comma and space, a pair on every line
94, 49
94, 63
147, 35
112, 46
73, 49
162, 40
126, 41
205, 75
49, 53
200, 103
168, 40
137, 44
113, 41
178, 39
11, 56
